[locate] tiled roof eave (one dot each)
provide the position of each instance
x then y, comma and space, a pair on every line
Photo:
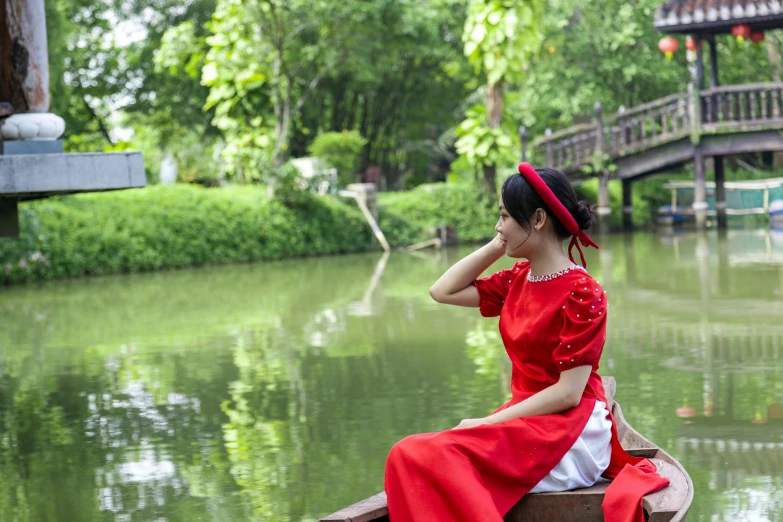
675, 25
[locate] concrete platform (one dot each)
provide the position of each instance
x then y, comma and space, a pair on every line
36, 176
33, 176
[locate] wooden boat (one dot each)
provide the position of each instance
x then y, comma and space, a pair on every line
582, 505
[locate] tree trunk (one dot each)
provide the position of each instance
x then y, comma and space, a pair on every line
24, 56
494, 116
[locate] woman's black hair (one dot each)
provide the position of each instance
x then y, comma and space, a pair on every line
521, 200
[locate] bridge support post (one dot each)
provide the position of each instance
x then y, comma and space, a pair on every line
523, 137
603, 176
627, 206
720, 192
603, 204
699, 189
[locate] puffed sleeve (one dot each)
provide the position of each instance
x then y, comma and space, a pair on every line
583, 330
493, 289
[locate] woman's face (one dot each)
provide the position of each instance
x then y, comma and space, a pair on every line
518, 240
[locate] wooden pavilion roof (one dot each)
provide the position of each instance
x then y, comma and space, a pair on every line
717, 16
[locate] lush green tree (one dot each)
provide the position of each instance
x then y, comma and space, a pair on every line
402, 88
101, 63
388, 69
500, 38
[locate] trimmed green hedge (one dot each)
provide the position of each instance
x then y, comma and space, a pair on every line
409, 217
172, 227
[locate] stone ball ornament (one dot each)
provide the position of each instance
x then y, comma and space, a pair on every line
33, 126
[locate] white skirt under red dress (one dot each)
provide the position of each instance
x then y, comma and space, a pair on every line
587, 459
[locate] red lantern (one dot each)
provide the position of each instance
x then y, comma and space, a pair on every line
741, 31
668, 46
757, 37
690, 43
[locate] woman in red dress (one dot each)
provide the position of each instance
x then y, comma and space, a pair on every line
555, 433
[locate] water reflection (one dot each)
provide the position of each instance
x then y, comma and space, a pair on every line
274, 391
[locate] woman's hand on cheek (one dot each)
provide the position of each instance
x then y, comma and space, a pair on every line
498, 244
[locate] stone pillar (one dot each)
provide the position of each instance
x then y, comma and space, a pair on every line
627, 206
24, 80
720, 192
699, 189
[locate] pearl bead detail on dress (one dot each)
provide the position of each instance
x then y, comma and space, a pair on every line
549, 277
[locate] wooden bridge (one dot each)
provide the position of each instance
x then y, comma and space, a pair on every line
667, 133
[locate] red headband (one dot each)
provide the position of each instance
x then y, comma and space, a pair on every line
560, 211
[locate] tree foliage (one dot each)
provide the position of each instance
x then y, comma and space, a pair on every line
233, 88
500, 38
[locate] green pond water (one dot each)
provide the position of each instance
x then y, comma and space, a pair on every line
274, 391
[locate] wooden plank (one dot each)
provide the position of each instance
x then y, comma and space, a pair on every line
580, 505
732, 105
640, 109
741, 142
663, 505
610, 388
372, 508
743, 104
742, 88
636, 163
570, 131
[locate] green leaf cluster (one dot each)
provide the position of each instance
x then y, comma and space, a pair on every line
482, 145
340, 150
501, 36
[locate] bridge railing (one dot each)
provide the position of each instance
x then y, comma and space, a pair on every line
735, 106
648, 125
654, 123
572, 146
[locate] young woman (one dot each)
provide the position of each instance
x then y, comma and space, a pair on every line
555, 434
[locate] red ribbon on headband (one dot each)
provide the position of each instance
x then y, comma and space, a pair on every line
560, 211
